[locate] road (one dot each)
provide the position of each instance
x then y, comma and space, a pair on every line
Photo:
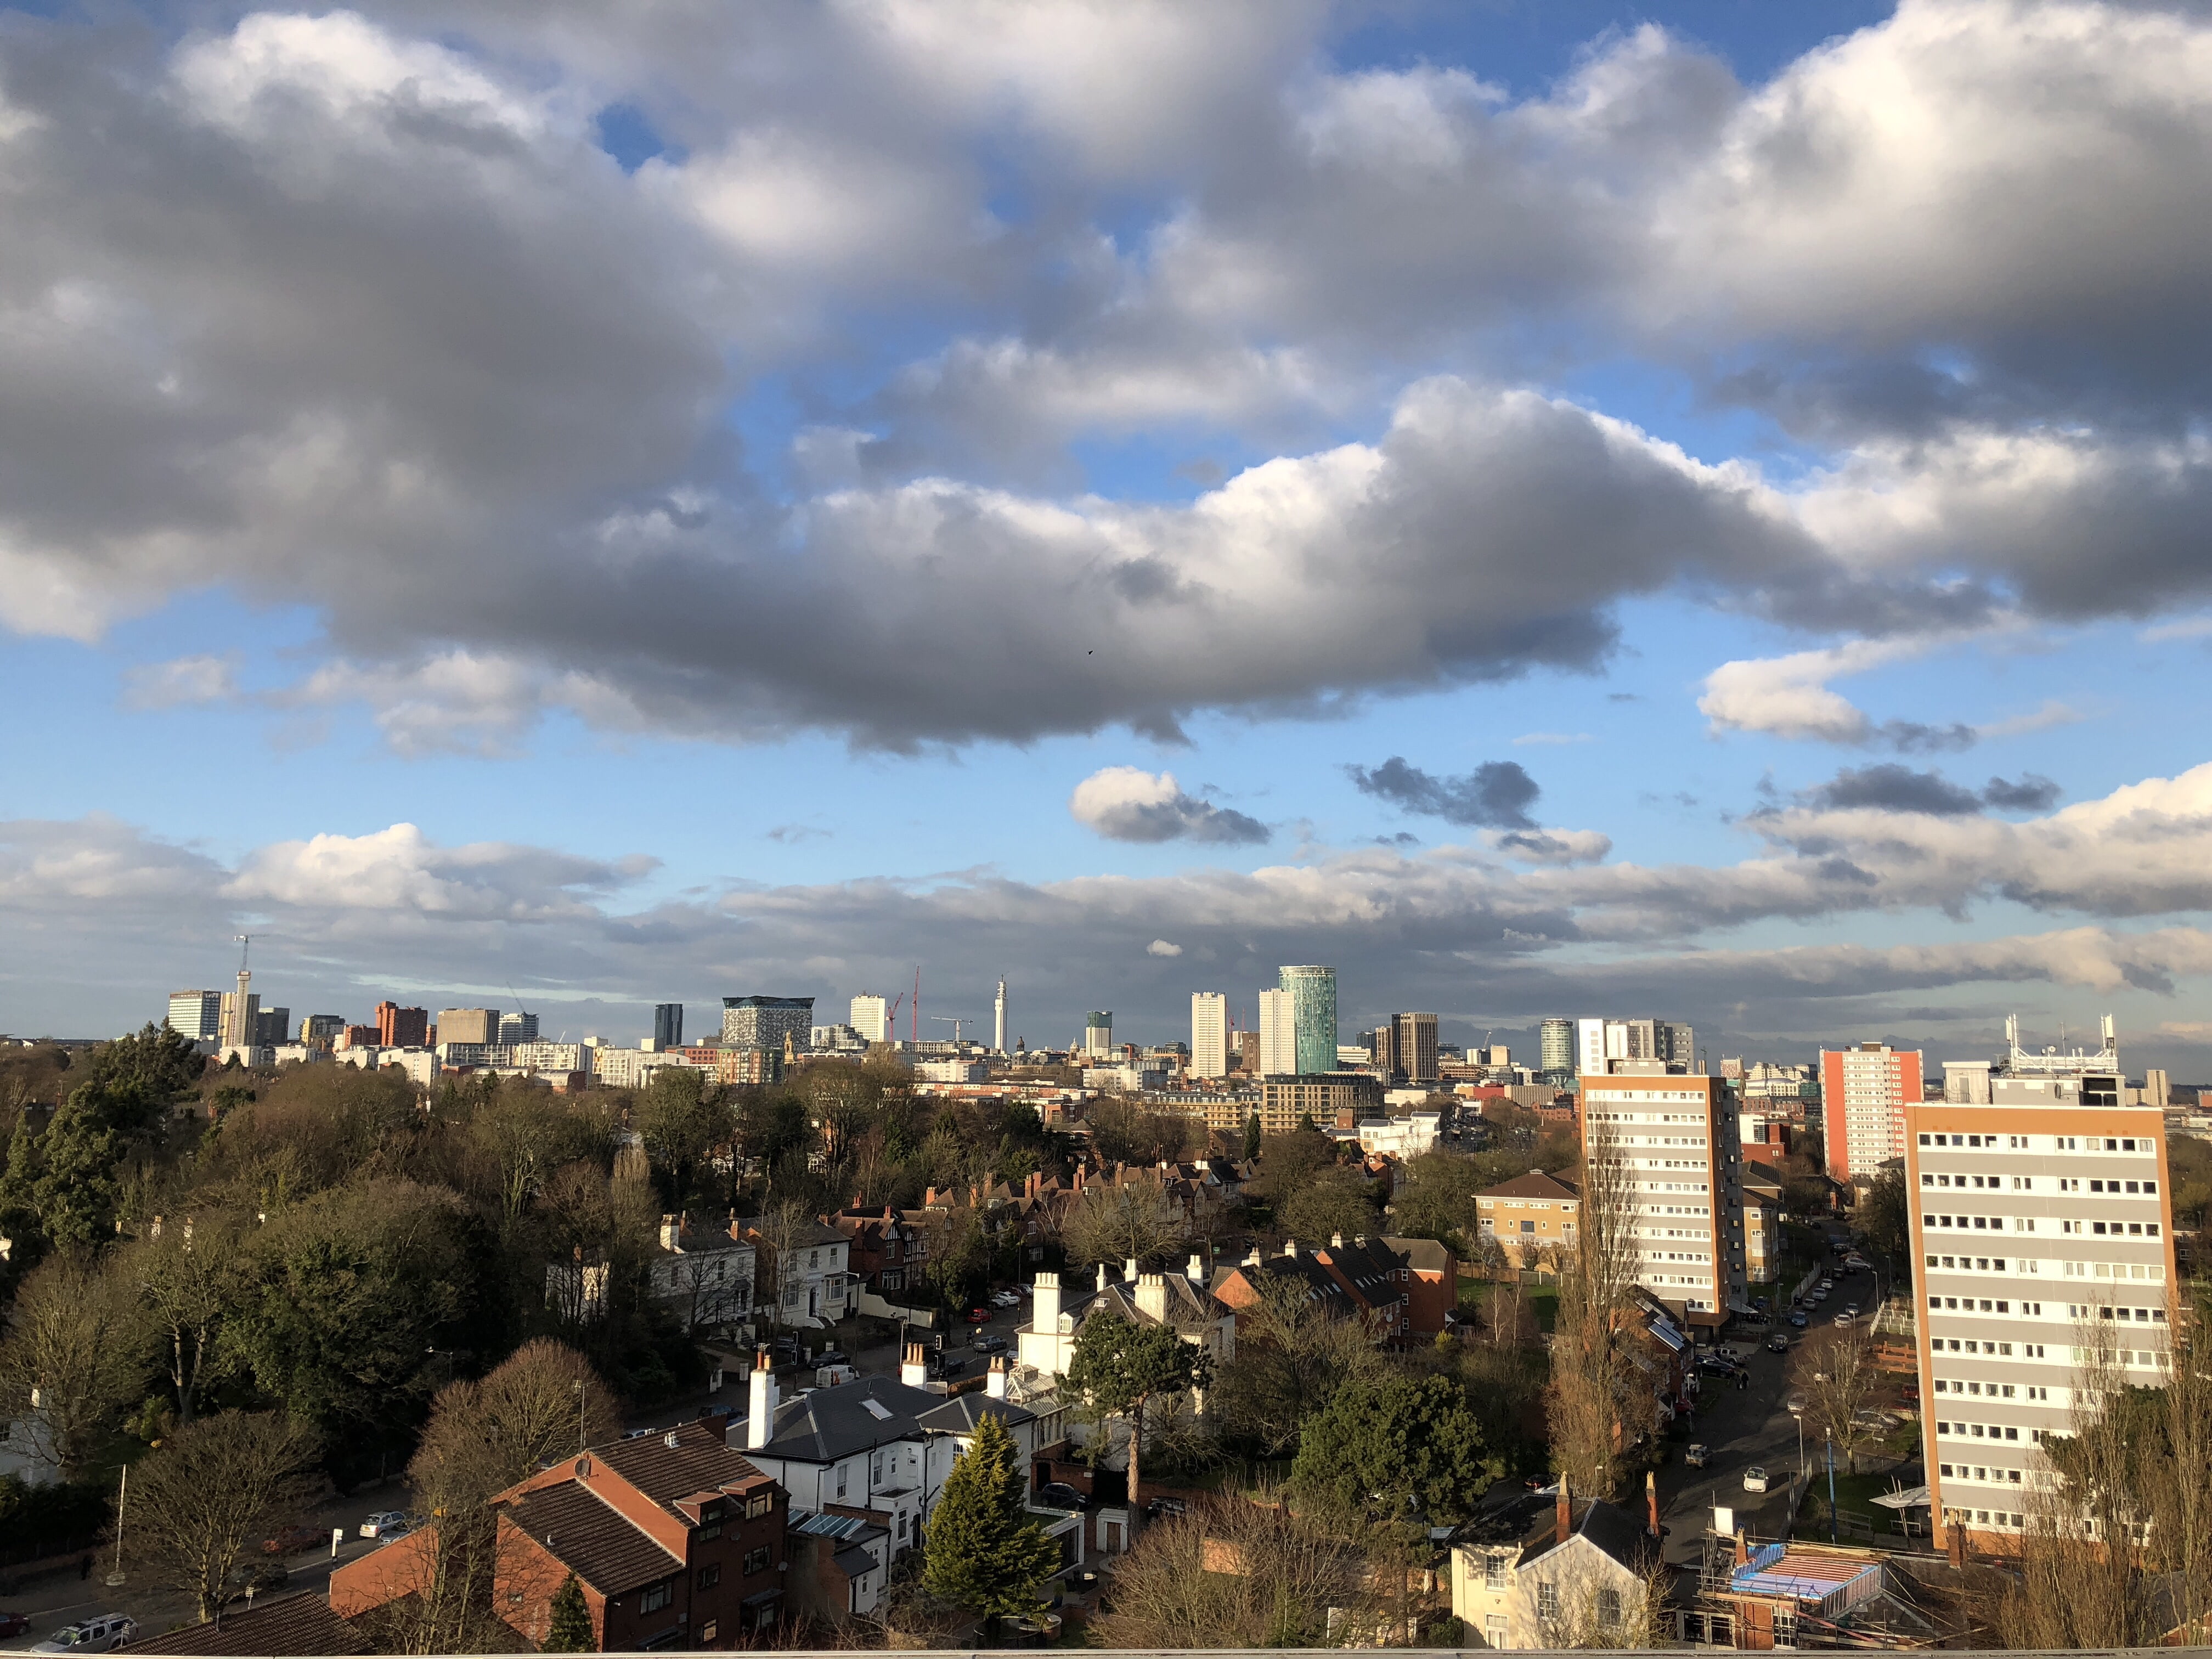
1741, 1428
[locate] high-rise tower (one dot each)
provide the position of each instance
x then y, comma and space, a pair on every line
1313, 1016
998, 1020
1209, 1034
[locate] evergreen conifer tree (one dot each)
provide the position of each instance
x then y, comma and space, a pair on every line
570, 1628
981, 1551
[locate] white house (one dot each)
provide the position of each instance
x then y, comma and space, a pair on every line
1545, 1573
808, 1275
704, 1277
1047, 1343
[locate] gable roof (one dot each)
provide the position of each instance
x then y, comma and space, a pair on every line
1369, 1264
1534, 1184
1424, 1255
1529, 1522
1189, 1307
963, 1414
287, 1625
590, 1537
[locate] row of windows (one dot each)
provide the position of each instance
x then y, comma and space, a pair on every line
2026, 1184
1983, 1517
2104, 1228
1976, 1471
2058, 1142
1968, 1264
2138, 1315
1995, 1390
1994, 1349
1981, 1304
1986, 1431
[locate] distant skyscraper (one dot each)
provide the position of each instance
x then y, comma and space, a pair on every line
401, 1028
1556, 1045
321, 1030
1245, 1045
1209, 1034
1278, 1035
241, 1011
667, 1025
1864, 1092
1382, 1046
1600, 1041
479, 1026
1416, 1047
1098, 1033
871, 1016
998, 1020
2157, 1089
765, 1021
272, 1026
1313, 994
196, 1014
518, 1028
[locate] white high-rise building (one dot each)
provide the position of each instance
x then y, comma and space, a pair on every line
1279, 1034
1209, 1034
241, 1014
1683, 1148
871, 1016
2042, 1222
998, 1020
196, 1014
1098, 1033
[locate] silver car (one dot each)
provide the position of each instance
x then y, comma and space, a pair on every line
103, 1634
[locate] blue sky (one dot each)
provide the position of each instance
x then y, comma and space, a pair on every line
774, 500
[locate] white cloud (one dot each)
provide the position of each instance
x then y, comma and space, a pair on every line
181, 682
1126, 803
1160, 947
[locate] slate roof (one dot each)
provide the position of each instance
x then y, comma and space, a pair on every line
964, 1413
826, 1424
1189, 1307
1370, 1265
701, 1460
590, 1538
287, 1624
1321, 1284
1422, 1254
1535, 1184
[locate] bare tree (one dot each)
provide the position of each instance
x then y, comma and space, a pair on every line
189, 1277
1590, 1395
1292, 1356
1129, 1221
1595, 1609
73, 1360
1237, 1574
542, 1403
211, 1489
1839, 1382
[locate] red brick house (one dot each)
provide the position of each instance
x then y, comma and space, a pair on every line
1432, 1286
675, 1540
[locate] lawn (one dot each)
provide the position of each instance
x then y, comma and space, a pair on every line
1855, 1496
1543, 1300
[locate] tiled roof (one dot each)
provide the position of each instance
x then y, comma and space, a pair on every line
1189, 1307
1369, 1264
301, 1624
962, 1414
1534, 1184
701, 1459
1423, 1255
591, 1539
1321, 1284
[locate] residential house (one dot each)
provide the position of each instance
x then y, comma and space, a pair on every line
803, 1277
883, 1249
880, 1448
675, 1540
1762, 1237
1533, 1217
1787, 1595
841, 1565
1544, 1571
1047, 1343
704, 1276
1431, 1283
280, 1626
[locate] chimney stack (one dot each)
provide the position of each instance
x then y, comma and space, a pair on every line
760, 1406
1044, 1305
1129, 1268
1195, 1270
1651, 1500
994, 1384
1566, 1515
914, 1366
1153, 1295
1102, 1279
669, 1232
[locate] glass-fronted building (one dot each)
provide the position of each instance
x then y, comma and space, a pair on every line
1313, 1013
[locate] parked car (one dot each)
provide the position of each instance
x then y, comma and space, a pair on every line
1698, 1454
394, 1532
295, 1539
979, 1315
1842, 1319
1043, 1625
1058, 1495
1754, 1479
103, 1634
1825, 1284
989, 1344
380, 1524
1799, 1320
1778, 1343
15, 1623
1004, 1299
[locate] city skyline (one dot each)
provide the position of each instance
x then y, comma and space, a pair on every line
1118, 504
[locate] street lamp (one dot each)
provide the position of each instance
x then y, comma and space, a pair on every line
1795, 1404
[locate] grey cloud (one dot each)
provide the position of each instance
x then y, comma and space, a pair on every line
1126, 802
1496, 795
1888, 787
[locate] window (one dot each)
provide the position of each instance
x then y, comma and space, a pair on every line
1548, 1600
1493, 1571
710, 1576
657, 1596
707, 1632
1495, 1630
760, 1504
755, 1561
1608, 1607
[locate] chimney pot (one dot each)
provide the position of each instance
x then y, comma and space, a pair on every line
1566, 1512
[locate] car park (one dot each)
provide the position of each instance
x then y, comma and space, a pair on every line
1697, 1456
102, 1634
1754, 1479
380, 1524
1826, 1284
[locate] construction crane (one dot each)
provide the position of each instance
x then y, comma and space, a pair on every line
890, 1020
956, 1023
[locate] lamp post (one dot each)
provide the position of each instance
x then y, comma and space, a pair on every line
1795, 1404
578, 1385
1830, 1439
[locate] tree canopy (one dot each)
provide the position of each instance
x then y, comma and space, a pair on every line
1394, 1449
981, 1551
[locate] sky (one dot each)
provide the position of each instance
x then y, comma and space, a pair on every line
1562, 508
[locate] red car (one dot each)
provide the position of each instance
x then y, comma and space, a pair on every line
979, 1316
15, 1623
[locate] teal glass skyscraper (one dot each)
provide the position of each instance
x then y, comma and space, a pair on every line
1313, 1005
